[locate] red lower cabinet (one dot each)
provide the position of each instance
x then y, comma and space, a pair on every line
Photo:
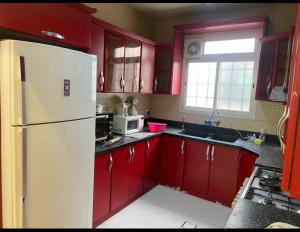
196, 168
137, 166
102, 176
223, 174
120, 177
152, 162
246, 164
172, 161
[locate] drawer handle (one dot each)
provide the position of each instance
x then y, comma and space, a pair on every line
212, 153
53, 34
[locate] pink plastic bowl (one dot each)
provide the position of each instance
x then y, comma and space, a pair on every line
155, 127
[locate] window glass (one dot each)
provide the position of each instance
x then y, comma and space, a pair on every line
229, 46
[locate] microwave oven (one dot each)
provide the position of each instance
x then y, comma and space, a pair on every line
128, 124
103, 126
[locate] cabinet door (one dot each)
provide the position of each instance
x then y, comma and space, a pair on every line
245, 167
223, 174
147, 68
120, 177
152, 164
172, 161
163, 68
132, 65
102, 176
137, 167
196, 168
39, 18
97, 48
114, 62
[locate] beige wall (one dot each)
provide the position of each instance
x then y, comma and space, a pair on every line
267, 114
124, 16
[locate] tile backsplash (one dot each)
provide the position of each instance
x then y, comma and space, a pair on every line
111, 100
266, 117
168, 107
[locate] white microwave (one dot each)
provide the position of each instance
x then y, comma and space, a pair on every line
128, 124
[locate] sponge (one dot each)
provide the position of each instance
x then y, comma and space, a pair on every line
258, 142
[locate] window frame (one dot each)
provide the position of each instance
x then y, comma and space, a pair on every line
214, 36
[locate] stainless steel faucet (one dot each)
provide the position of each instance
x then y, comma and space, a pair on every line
211, 122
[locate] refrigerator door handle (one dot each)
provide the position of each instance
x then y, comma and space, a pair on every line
23, 83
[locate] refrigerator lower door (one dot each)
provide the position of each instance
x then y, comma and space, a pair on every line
58, 169
48, 83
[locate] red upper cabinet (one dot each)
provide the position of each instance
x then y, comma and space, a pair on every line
59, 22
114, 62
273, 65
137, 167
102, 176
152, 162
147, 68
132, 65
223, 174
172, 161
163, 69
196, 168
97, 48
120, 177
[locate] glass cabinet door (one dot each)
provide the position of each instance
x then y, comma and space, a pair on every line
132, 65
163, 66
114, 62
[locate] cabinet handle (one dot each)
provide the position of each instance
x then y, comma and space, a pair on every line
101, 81
212, 153
182, 147
122, 82
155, 84
130, 152
142, 83
148, 146
133, 153
207, 152
53, 34
110, 162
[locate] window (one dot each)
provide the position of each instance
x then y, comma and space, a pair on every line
222, 76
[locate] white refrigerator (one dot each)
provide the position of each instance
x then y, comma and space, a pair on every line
48, 102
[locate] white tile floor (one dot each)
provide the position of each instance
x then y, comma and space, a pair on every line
163, 207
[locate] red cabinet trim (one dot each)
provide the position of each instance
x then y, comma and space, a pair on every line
121, 31
224, 24
83, 7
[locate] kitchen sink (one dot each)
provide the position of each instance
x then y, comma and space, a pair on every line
196, 133
215, 136
224, 138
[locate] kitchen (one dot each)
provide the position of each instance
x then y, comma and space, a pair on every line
186, 113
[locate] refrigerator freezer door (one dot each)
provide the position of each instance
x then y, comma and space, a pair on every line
58, 169
49, 83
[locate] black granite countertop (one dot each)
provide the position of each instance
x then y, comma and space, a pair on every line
268, 155
249, 214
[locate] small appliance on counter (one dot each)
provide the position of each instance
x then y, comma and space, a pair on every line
128, 124
104, 123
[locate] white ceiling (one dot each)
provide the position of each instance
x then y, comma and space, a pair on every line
165, 10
